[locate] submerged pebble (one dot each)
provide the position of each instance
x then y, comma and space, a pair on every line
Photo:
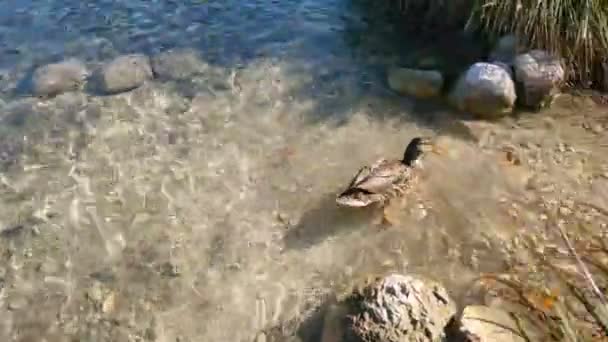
57, 78
17, 302
125, 73
417, 83
177, 64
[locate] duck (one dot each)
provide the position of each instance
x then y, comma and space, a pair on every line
386, 179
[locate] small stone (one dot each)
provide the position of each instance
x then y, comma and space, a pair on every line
17, 303
95, 293
178, 64
169, 269
539, 76
49, 266
421, 214
109, 303
417, 83
282, 217
565, 211
597, 129
126, 73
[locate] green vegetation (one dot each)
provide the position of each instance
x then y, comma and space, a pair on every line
576, 29
562, 293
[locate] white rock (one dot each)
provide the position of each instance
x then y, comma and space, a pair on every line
416, 83
57, 78
538, 75
125, 73
485, 90
484, 324
400, 308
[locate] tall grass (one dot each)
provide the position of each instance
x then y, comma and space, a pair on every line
563, 293
576, 29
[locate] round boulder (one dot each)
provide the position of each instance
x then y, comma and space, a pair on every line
538, 76
56, 78
125, 73
400, 308
486, 90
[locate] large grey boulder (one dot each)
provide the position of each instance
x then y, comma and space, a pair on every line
400, 308
125, 73
417, 83
538, 76
56, 78
485, 90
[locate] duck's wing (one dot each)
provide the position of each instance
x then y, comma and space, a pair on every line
379, 163
361, 174
357, 198
382, 177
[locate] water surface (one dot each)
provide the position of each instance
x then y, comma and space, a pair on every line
203, 209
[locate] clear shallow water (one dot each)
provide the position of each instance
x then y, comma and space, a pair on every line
203, 210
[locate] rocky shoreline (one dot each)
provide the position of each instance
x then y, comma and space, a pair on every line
491, 89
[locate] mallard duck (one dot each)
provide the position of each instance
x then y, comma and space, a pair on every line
385, 179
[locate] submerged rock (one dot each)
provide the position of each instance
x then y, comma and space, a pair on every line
484, 324
485, 90
57, 78
400, 308
538, 76
416, 83
177, 64
125, 73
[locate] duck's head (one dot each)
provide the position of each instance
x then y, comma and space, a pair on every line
417, 147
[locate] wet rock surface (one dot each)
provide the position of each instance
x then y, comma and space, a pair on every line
57, 78
125, 73
485, 90
401, 308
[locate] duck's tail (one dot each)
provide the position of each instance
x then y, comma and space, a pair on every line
354, 197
